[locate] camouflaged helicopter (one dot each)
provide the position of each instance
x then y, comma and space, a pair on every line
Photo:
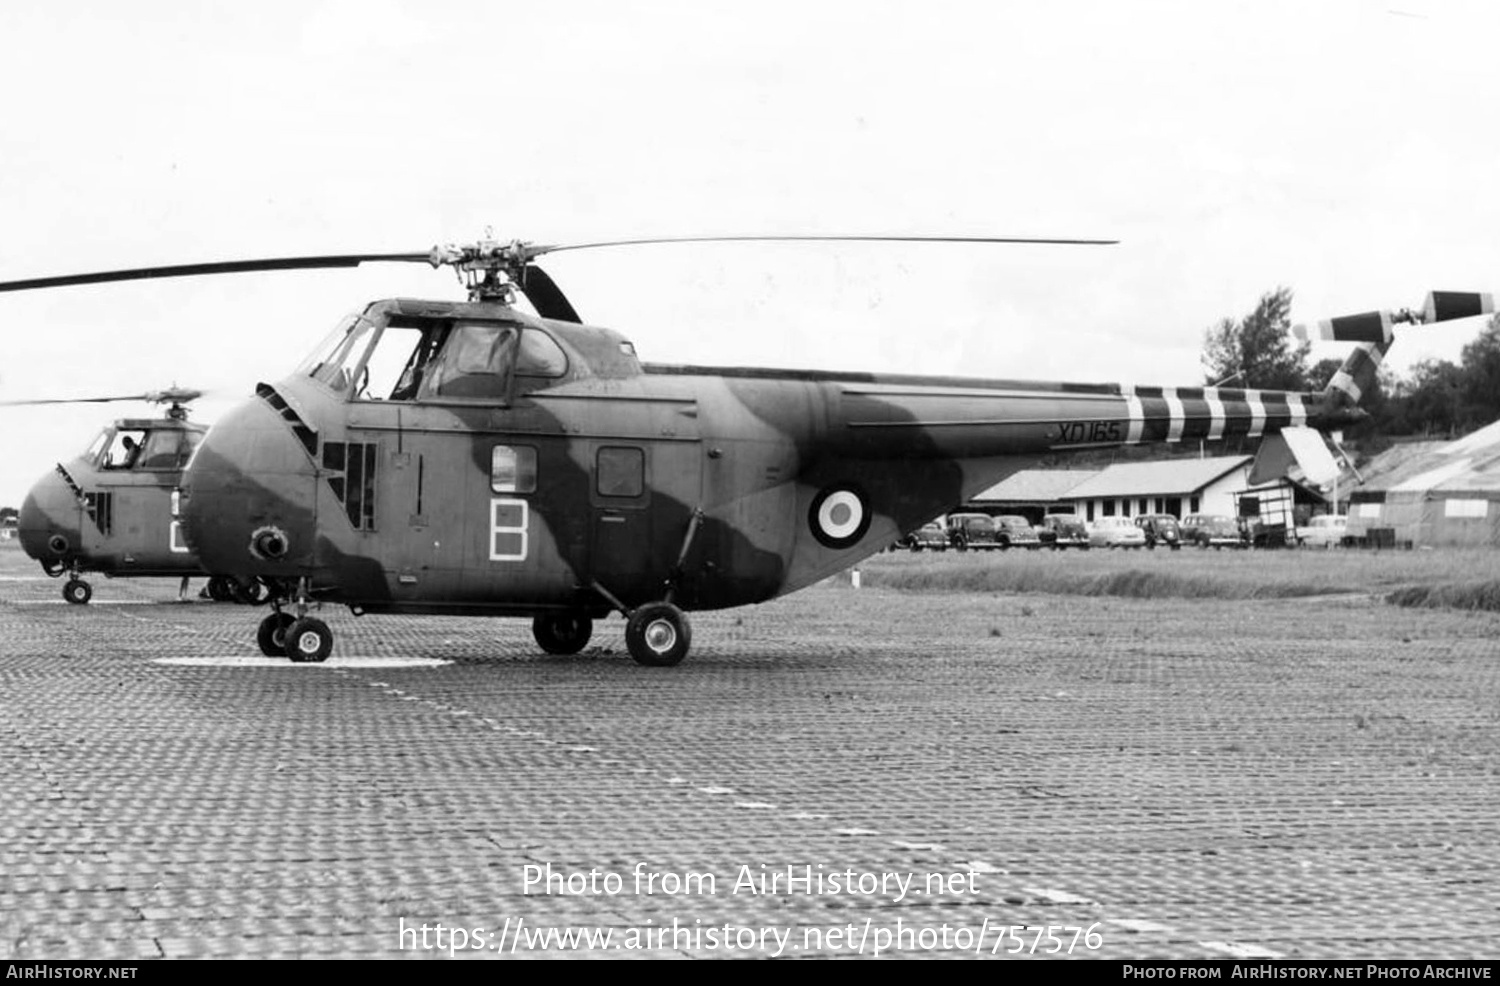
465, 457
109, 509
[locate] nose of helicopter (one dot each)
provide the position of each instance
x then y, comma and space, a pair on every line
247, 498
48, 525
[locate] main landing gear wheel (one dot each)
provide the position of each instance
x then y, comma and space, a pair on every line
219, 588
565, 634
658, 635
308, 640
272, 634
77, 592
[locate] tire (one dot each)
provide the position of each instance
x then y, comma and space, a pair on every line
78, 592
219, 588
565, 633
658, 635
271, 636
308, 641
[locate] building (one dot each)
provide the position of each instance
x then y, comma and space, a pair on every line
1032, 493
1432, 493
1179, 487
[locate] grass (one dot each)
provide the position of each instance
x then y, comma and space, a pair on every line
1458, 578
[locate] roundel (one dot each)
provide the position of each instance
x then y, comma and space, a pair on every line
839, 516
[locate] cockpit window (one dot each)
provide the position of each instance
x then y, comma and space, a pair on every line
407, 358
123, 450
332, 363
475, 362
540, 356
390, 370
168, 448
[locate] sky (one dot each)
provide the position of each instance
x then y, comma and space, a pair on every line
1345, 149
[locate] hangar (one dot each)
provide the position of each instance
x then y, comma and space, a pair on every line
1432, 493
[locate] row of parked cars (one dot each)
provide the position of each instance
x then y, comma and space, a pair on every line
980, 532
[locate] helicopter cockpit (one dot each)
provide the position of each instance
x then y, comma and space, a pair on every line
136, 446
439, 357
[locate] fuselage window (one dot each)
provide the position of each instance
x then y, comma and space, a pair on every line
513, 469
620, 471
539, 355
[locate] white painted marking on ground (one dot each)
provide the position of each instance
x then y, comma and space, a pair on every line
855, 832
1241, 951
753, 804
1135, 924
333, 663
717, 790
1055, 896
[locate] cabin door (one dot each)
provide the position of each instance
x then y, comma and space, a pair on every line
642, 497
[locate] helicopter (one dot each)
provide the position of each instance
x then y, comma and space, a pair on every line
466, 457
109, 509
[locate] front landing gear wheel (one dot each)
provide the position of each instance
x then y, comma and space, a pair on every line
308, 640
77, 592
565, 634
658, 635
272, 634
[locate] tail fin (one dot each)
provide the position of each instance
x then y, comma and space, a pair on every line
1373, 332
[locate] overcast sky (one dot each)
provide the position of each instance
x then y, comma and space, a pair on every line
1348, 150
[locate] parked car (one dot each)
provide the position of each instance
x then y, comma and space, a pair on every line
1060, 531
928, 537
1015, 531
975, 531
1323, 531
1116, 532
1212, 531
1160, 529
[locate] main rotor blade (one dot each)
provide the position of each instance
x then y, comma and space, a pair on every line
222, 267
539, 249
78, 400
173, 395
546, 297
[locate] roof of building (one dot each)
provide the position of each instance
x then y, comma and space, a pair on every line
1166, 477
1468, 465
1035, 486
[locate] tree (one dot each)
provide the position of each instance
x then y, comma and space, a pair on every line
1481, 378
1257, 351
8, 515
